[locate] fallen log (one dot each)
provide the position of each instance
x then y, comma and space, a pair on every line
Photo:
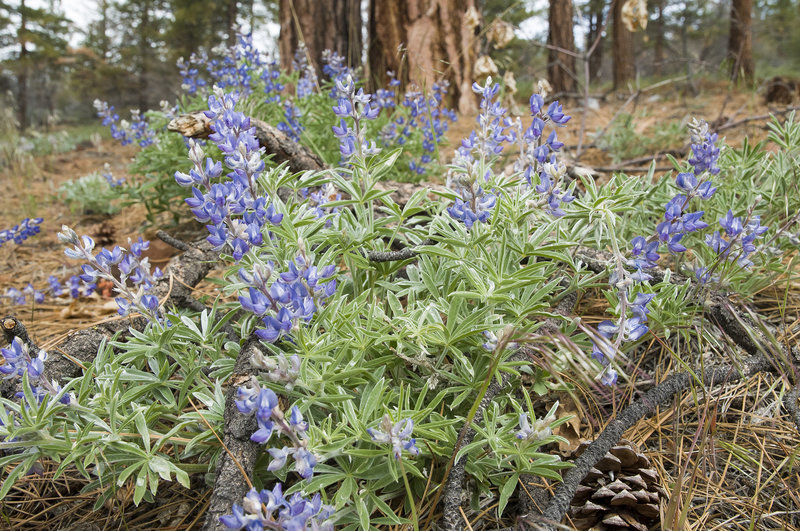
284, 149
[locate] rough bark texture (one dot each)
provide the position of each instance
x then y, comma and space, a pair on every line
239, 453
436, 38
740, 41
560, 65
622, 48
284, 149
386, 28
322, 25
658, 45
22, 77
595, 27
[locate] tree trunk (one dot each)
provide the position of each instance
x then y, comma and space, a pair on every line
424, 41
144, 53
22, 77
595, 28
561, 65
622, 49
658, 45
231, 12
322, 25
104, 44
740, 41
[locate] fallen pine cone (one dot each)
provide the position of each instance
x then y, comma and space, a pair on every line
620, 492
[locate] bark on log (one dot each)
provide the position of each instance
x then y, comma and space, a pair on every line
239, 454
284, 149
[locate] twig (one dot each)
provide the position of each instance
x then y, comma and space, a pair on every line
394, 256
283, 148
173, 241
731, 125
644, 407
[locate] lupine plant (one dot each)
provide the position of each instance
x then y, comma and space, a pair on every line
19, 233
365, 370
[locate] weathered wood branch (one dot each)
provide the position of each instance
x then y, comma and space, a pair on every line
283, 148
239, 454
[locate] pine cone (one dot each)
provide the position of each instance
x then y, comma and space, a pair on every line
620, 492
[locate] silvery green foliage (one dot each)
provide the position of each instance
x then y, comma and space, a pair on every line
368, 370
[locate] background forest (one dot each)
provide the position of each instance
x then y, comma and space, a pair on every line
57, 57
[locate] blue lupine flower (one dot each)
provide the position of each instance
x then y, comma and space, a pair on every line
398, 434
134, 269
55, 285
234, 210
18, 233
737, 232
269, 509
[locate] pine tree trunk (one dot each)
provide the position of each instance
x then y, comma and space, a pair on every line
144, 53
595, 27
231, 12
740, 41
22, 77
322, 25
424, 41
386, 30
561, 65
658, 45
622, 49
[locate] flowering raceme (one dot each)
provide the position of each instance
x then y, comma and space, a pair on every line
270, 509
234, 210
293, 297
133, 268
471, 171
18, 362
18, 233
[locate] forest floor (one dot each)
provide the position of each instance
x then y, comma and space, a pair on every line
723, 462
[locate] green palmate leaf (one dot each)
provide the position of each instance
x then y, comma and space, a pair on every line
506, 490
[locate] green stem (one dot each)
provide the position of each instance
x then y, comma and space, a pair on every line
414, 517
